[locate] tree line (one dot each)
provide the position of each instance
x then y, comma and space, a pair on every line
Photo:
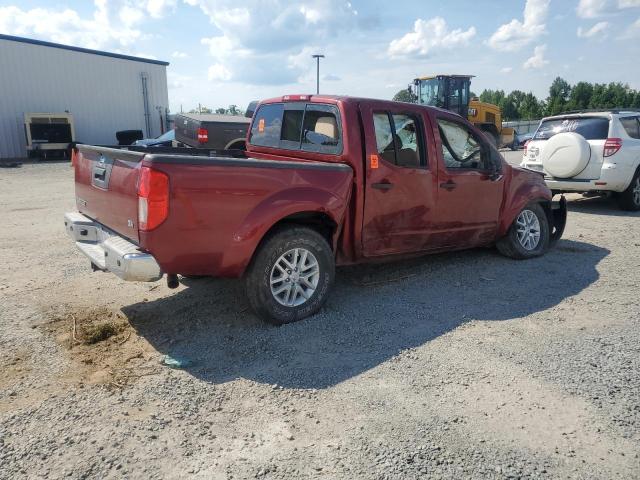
518, 105
563, 97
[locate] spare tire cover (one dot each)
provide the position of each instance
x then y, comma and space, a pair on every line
565, 155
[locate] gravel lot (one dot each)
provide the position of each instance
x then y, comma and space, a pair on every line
461, 365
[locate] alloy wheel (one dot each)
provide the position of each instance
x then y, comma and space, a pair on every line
294, 277
528, 230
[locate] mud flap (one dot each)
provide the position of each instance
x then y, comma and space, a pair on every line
558, 220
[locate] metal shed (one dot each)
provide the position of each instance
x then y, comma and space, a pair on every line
105, 92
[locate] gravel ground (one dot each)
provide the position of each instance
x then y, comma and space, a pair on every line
460, 365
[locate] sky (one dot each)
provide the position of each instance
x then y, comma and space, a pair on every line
229, 52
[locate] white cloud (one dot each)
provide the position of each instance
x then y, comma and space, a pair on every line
159, 8
506, 70
331, 77
633, 31
266, 43
114, 24
219, 72
178, 54
514, 35
429, 35
598, 30
537, 61
601, 8
592, 8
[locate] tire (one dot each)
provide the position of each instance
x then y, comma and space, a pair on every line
511, 245
630, 198
277, 305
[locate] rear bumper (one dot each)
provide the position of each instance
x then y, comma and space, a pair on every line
110, 252
613, 177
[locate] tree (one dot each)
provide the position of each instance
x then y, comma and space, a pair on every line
405, 95
559, 93
580, 96
221, 111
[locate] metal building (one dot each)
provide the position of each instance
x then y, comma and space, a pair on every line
105, 92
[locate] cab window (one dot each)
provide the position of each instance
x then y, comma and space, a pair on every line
461, 148
297, 126
399, 139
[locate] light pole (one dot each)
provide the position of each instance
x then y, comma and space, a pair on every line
317, 57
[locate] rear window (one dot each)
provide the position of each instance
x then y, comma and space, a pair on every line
297, 126
590, 128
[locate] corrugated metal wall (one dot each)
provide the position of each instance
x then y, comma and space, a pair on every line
104, 94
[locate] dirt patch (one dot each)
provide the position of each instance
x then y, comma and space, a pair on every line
16, 368
102, 346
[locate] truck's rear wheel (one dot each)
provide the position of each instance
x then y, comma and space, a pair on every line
290, 276
630, 198
528, 236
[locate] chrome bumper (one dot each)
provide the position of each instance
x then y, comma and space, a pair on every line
110, 252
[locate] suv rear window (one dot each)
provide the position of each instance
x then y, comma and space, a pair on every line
297, 126
591, 128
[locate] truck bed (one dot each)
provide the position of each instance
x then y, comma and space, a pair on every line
221, 203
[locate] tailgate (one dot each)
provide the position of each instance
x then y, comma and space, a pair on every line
187, 130
107, 187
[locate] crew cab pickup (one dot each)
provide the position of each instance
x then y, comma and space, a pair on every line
325, 181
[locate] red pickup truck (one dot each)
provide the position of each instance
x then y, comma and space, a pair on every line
325, 181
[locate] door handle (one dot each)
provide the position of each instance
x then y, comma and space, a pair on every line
449, 185
382, 186
99, 173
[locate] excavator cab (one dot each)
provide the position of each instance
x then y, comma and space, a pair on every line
450, 92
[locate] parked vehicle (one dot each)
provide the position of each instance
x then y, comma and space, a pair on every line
589, 152
217, 131
521, 139
49, 135
164, 140
325, 181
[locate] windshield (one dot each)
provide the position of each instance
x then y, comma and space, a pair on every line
430, 92
593, 128
166, 136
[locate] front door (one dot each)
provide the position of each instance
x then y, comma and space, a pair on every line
400, 183
470, 187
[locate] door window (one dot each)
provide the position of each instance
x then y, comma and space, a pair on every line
460, 147
398, 139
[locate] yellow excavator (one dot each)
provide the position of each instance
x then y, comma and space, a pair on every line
452, 92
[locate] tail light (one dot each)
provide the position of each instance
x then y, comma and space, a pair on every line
203, 135
611, 146
73, 157
153, 198
526, 145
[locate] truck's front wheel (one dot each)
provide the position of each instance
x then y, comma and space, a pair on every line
528, 236
290, 276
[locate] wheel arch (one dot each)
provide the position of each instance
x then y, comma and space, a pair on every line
238, 143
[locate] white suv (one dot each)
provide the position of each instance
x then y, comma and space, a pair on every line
586, 152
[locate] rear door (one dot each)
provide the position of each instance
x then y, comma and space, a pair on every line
470, 186
400, 181
595, 129
106, 187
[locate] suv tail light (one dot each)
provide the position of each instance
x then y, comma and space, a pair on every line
611, 146
203, 135
526, 145
153, 198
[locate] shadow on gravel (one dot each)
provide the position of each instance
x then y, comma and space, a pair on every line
374, 312
599, 206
